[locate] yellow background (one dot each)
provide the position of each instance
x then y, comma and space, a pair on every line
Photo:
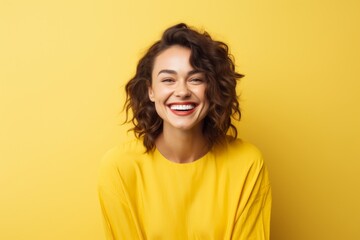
63, 65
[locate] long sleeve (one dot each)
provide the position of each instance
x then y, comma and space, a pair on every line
117, 213
253, 220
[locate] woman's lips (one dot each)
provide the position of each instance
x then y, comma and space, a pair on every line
183, 108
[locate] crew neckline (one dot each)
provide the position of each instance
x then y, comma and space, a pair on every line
162, 158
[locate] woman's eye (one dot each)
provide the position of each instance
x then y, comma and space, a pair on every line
196, 80
167, 80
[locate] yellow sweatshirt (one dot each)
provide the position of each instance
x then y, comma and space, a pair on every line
223, 195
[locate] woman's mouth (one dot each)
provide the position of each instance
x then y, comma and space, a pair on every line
182, 109
186, 107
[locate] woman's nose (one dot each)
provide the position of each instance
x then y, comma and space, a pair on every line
182, 90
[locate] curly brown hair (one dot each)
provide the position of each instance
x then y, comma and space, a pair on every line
208, 56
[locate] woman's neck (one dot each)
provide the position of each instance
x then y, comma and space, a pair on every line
182, 146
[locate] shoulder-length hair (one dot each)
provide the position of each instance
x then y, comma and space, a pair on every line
208, 56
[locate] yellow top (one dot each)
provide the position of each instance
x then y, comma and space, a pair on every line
224, 195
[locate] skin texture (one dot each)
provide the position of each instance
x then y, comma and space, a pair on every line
175, 86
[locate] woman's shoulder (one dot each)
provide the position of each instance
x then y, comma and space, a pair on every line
240, 152
242, 146
119, 164
124, 153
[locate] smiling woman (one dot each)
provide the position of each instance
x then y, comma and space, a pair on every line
184, 177
178, 91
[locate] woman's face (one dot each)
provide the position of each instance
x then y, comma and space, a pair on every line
178, 90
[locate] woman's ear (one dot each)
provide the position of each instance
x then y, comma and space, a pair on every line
151, 94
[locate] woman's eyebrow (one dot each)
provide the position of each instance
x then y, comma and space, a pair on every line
192, 72
167, 71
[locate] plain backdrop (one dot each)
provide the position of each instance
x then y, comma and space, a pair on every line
63, 66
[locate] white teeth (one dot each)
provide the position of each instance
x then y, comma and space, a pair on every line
182, 107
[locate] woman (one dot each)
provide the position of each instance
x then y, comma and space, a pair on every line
184, 177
